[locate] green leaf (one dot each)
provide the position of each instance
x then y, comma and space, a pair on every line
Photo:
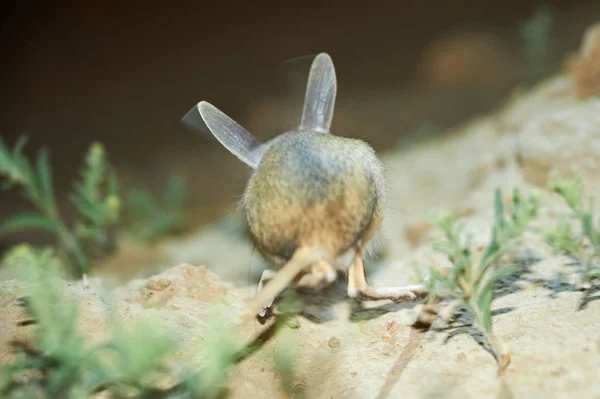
19, 145
445, 221
150, 220
570, 190
438, 284
93, 173
484, 303
174, 191
589, 229
492, 251
141, 205
560, 238
97, 211
587, 226
442, 246
27, 221
45, 179
516, 207
498, 209
80, 190
5, 156
113, 183
134, 362
503, 272
87, 232
87, 209
594, 273
25, 256
28, 179
497, 275
17, 168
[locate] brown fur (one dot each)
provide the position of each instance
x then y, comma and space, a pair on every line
314, 190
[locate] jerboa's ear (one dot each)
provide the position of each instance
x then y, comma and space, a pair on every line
320, 95
234, 137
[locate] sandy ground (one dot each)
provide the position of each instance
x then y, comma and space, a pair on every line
342, 350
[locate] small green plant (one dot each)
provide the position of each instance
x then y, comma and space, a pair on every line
579, 233
96, 198
222, 350
149, 220
469, 281
560, 237
46, 367
122, 366
97, 210
284, 354
126, 364
218, 354
536, 34
24, 255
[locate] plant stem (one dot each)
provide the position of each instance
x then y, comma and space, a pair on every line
500, 353
73, 247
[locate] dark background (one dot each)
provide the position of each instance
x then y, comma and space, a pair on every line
124, 73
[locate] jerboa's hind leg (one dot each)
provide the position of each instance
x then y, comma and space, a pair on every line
359, 288
320, 274
302, 259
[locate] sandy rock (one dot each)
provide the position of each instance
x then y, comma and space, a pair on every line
224, 248
416, 230
12, 315
551, 96
563, 144
584, 69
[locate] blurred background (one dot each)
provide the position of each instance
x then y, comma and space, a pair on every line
124, 73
